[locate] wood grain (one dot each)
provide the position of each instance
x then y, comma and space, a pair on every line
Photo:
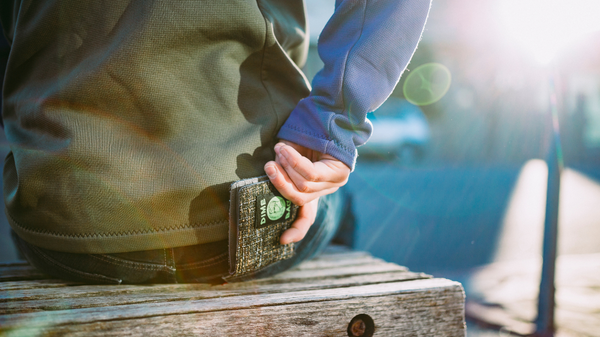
20, 272
318, 298
393, 316
31, 300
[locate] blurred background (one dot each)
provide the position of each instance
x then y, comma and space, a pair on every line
453, 183
457, 188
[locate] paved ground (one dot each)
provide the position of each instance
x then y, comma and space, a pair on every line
512, 281
483, 227
430, 219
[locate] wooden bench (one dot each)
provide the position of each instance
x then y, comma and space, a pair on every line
319, 298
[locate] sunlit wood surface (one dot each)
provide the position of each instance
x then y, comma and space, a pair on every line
318, 298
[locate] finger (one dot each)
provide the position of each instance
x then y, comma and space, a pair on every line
278, 147
334, 170
306, 152
287, 188
303, 185
306, 217
290, 158
279, 178
301, 199
327, 169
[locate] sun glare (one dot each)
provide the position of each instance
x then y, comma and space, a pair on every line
546, 27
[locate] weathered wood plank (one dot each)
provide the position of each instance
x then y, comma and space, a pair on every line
23, 281
203, 305
397, 292
20, 272
100, 296
262, 286
319, 297
322, 269
34, 284
335, 248
376, 266
393, 316
341, 255
336, 263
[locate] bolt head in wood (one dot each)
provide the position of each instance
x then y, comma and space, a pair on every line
361, 326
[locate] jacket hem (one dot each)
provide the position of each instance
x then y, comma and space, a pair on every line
107, 243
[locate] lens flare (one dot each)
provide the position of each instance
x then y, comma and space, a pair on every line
427, 84
546, 27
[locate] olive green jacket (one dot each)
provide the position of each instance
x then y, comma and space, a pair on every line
128, 120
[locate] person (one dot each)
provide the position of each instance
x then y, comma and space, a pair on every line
129, 120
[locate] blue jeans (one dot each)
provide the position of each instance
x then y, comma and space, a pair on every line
206, 263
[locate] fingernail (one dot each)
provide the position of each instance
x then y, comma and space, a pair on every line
271, 171
284, 152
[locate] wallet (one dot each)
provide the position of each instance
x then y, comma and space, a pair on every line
258, 215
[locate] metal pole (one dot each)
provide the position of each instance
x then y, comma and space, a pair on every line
546, 303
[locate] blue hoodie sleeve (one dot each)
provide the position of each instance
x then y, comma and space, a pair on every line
365, 47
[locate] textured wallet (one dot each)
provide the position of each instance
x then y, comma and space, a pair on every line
258, 215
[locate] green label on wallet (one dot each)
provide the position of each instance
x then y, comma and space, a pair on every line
271, 209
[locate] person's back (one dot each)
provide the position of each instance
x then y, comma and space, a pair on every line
128, 120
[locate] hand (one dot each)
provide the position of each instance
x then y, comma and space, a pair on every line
302, 175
